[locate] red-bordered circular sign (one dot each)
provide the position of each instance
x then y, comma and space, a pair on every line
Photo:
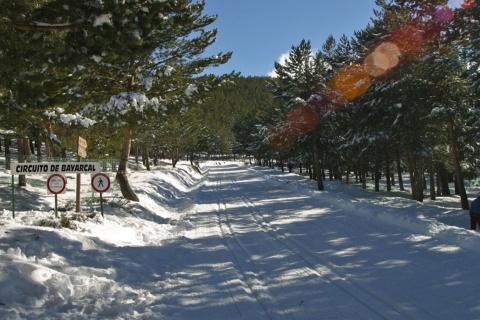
101, 182
56, 183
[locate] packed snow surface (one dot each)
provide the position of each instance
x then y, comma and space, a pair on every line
235, 242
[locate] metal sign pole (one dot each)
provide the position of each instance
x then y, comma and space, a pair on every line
13, 197
56, 208
101, 183
101, 204
56, 184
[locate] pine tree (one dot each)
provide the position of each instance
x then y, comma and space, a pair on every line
404, 100
144, 56
302, 76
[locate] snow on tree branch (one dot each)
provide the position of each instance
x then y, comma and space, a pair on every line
124, 105
58, 115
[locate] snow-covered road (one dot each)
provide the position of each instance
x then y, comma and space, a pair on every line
238, 242
261, 250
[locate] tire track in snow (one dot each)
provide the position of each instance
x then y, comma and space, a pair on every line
246, 267
410, 304
253, 275
321, 267
325, 269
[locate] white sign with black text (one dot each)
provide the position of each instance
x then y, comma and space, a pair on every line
54, 167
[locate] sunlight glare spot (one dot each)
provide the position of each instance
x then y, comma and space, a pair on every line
418, 238
339, 241
392, 263
351, 251
302, 119
445, 249
383, 58
349, 83
283, 199
296, 275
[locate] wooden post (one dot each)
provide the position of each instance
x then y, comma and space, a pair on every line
81, 153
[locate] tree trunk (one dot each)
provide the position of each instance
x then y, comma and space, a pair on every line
145, 157
176, 157
8, 158
23, 154
456, 162
399, 171
416, 177
318, 169
48, 143
363, 174
439, 180
347, 177
387, 170
376, 171
38, 144
432, 180
445, 180
155, 157
121, 177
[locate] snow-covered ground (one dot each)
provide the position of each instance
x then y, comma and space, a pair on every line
235, 242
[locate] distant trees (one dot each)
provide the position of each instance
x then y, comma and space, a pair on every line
233, 116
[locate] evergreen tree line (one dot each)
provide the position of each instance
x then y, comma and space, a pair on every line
232, 106
401, 95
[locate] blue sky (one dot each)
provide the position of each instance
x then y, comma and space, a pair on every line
259, 32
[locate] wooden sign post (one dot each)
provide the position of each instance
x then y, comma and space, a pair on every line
81, 153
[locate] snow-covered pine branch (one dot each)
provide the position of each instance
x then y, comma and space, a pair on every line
124, 105
58, 116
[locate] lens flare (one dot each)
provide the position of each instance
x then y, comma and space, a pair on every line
348, 84
280, 138
299, 121
467, 4
385, 57
408, 39
444, 14
302, 119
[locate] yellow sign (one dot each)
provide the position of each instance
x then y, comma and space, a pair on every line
82, 147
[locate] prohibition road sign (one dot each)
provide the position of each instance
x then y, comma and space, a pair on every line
101, 182
56, 183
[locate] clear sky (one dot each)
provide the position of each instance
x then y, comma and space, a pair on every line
259, 32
